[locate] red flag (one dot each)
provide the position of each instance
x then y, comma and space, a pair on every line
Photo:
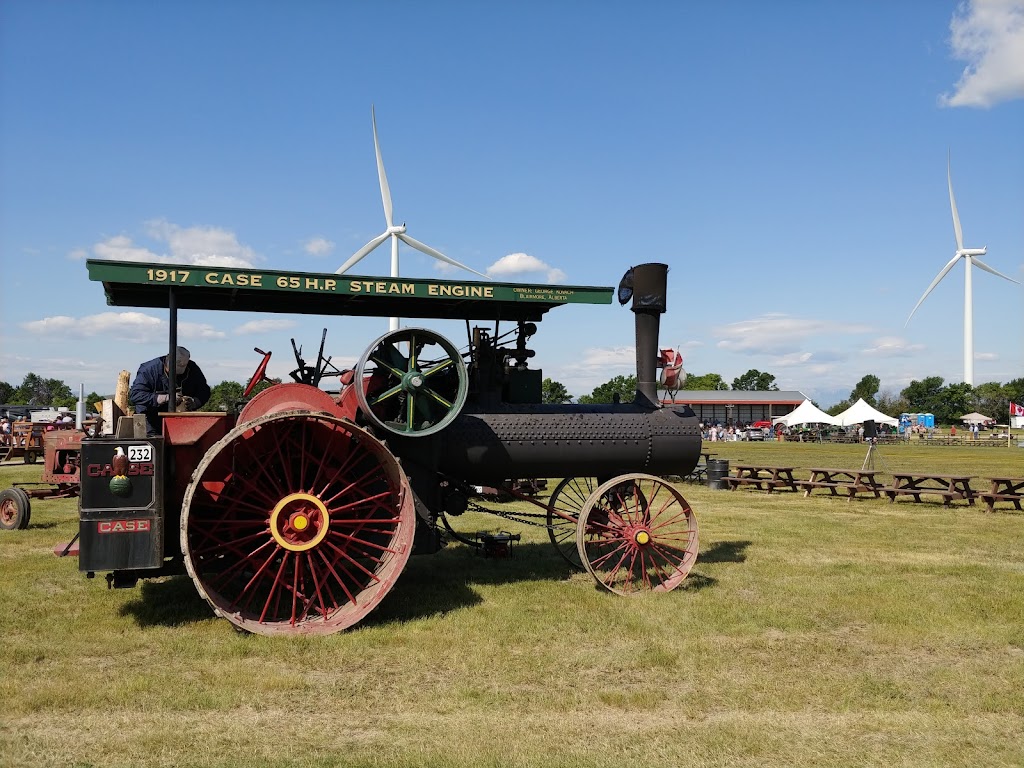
1016, 410
670, 358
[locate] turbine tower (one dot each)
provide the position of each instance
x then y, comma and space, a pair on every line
970, 257
396, 233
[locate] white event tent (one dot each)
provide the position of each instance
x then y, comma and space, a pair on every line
860, 412
806, 413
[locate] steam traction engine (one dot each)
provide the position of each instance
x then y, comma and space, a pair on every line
299, 514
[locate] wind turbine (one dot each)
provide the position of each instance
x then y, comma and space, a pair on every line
970, 257
396, 233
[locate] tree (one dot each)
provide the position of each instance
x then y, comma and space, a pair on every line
707, 381
990, 399
892, 404
954, 401
754, 380
554, 392
866, 388
623, 386
6, 392
224, 397
37, 391
923, 396
1014, 391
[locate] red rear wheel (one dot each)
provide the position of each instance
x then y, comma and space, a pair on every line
297, 523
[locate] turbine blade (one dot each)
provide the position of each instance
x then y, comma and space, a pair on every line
438, 255
385, 190
358, 255
979, 263
952, 204
942, 274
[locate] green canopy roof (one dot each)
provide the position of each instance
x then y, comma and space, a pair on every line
135, 284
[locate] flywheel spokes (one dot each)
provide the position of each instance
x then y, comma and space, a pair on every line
411, 382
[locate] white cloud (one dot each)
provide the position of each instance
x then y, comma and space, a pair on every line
264, 326
117, 328
892, 346
989, 36
78, 254
986, 356
778, 334
198, 246
319, 246
516, 265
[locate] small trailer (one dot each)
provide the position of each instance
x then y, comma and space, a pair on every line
299, 514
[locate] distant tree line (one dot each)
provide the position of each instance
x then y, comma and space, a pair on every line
948, 402
930, 395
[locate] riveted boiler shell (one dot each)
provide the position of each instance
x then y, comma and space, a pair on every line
562, 441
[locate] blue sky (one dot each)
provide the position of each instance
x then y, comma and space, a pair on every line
787, 160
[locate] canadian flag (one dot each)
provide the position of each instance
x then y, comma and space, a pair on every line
1016, 410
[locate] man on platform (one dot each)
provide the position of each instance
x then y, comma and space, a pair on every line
149, 393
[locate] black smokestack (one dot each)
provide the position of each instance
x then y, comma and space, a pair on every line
648, 284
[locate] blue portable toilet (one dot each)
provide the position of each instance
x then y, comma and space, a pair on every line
907, 420
926, 420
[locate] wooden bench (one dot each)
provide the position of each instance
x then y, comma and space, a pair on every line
990, 499
761, 484
764, 478
947, 487
853, 481
1003, 489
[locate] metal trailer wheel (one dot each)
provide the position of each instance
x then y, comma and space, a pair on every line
15, 509
416, 379
564, 505
637, 534
296, 523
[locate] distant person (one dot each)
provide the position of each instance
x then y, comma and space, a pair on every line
974, 427
149, 392
952, 431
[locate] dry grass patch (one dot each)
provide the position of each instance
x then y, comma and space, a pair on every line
810, 632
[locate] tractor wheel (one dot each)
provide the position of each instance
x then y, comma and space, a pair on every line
15, 509
411, 382
564, 507
296, 523
636, 534
31, 457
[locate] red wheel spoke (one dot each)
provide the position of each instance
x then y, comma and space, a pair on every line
297, 522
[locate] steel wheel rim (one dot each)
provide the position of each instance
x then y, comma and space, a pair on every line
637, 534
415, 394
564, 506
261, 569
8, 513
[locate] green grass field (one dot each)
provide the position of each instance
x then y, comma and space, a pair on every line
810, 632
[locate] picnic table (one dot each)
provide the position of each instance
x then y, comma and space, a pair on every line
1003, 489
914, 484
762, 477
852, 481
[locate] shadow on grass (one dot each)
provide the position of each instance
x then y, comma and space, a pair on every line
169, 602
724, 552
430, 585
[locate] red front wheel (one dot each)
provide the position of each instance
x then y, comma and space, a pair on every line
637, 534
